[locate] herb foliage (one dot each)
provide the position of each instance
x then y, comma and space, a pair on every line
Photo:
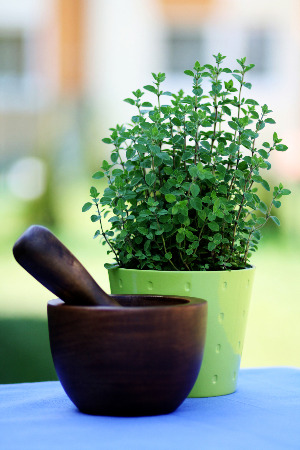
183, 177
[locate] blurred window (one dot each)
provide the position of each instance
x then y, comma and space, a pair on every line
18, 75
184, 47
13, 67
12, 51
259, 49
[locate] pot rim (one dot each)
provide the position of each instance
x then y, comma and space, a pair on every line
181, 271
188, 302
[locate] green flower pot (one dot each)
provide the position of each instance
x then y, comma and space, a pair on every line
228, 295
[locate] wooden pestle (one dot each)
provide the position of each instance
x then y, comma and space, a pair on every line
42, 255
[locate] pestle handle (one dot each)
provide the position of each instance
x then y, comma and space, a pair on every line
40, 253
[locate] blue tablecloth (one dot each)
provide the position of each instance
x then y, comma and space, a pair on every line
263, 414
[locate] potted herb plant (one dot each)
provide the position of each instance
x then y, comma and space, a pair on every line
182, 212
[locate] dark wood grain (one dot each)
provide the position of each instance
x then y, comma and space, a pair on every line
47, 259
139, 359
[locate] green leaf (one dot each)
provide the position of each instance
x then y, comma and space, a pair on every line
247, 85
194, 171
180, 237
98, 175
130, 101
222, 189
207, 123
150, 88
196, 203
176, 121
189, 72
130, 152
281, 147
263, 153
250, 101
213, 226
140, 148
94, 218
260, 221
170, 198
276, 203
265, 184
198, 91
263, 207
226, 110
257, 235
206, 145
114, 219
97, 233
254, 115
202, 215
105, 165
135, 180
246, 143
114, 157
243, 165
237, 77
285, 192
195, 190
248, 196
211, 246
108, 192
138, 93
147, 105
187, 155
275, 220
150, 178
168, 255
233, 125
105, 201
249, 67
87, 206
221, 169
250, 133
217, 238
94, 193
143, 230
107, 141
117, 172
269, 120
111, 266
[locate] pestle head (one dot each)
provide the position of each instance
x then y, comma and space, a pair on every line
47, 259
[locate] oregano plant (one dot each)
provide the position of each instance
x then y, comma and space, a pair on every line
183, 176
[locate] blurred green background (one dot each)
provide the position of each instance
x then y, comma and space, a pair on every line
65, 67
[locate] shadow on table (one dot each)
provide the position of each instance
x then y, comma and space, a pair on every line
24, 351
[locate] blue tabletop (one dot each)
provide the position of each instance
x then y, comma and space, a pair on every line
264, 413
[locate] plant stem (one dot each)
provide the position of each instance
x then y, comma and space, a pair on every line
104, 235
239, 100
183, 261
199, 236
163, 241
216, 113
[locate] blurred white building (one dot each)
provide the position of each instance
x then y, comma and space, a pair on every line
62, 58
